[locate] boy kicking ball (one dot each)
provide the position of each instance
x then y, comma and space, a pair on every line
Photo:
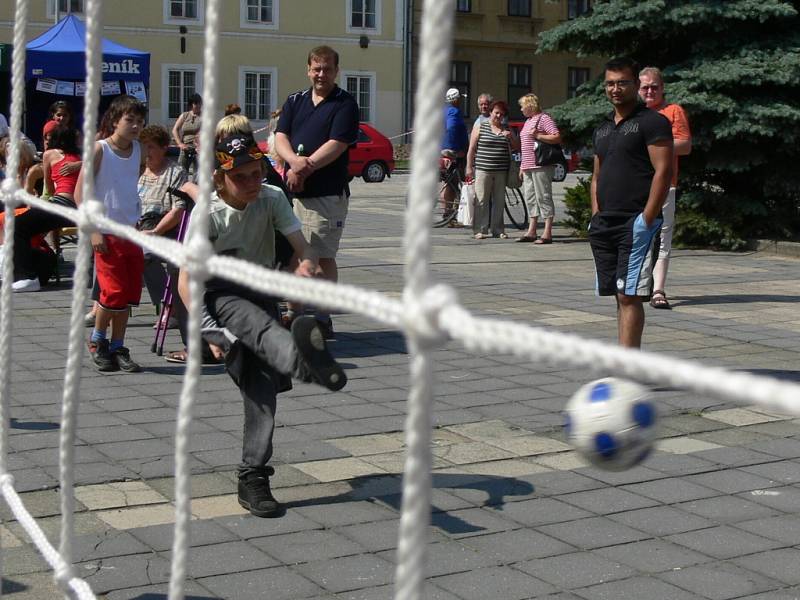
259, 353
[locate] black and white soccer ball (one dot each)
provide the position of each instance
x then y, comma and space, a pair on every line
612, 423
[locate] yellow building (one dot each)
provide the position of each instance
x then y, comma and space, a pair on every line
263, 49
494, 47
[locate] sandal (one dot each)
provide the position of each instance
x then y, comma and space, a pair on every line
527, 238
177, 356
541, 241
659, 300
480, 236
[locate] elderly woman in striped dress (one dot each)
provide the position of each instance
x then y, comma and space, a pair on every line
490, 148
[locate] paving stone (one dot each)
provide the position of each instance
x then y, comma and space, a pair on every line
448, 557
723, 542
494, 582
786, 499
278, 583
159, 592
140, 516
727, 509
594, 532
679, 464
739, 417
201, 533
607, 501
577, 570
346, 513
719, 580
517, 545
348, 573
672, 490
635, 588
731, 481
225, 558
118, 494
337, 469
783, 594
661, 520
307, 546
652, 556
784, 529
735, 457
684, 445
248, 527
112, 573
776, 564
469, 522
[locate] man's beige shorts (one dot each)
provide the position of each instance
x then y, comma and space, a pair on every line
323, 220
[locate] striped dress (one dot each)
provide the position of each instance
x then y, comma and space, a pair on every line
492, 153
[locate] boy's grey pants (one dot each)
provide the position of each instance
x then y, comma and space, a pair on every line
258, 362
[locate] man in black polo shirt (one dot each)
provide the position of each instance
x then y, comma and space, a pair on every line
315, 130
632, 171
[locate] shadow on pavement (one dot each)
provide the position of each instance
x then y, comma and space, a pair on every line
33, 425
731, 299
368, 343
388, 490
12, 587
776, 373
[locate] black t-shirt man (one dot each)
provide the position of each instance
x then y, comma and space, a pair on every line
623, 185
335, 118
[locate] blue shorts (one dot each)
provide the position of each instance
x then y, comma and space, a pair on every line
624, 250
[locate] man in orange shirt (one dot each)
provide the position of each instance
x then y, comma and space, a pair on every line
651, 91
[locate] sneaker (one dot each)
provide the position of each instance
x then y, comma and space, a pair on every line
102, 356
255, 495
315, 363
327, 328
122, 356
26, 285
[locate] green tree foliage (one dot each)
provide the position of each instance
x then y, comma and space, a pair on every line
734, 65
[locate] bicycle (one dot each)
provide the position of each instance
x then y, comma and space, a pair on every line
516, 209
444, 211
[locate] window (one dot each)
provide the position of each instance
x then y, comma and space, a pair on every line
183, 12
257, 93
519, 84
460, 78
179, 83
464, 6
361, 86
576, 8
576, 77
519, 8
363, 15
260, 14
64, 7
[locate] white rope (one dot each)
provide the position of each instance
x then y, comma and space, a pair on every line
428, 314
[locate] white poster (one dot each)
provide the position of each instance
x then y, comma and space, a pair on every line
136, 89
65, 88
110, 88
80, 88
46, 85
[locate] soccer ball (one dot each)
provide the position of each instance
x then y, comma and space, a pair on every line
611, 422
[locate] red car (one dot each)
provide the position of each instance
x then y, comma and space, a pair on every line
371, 158
561, 169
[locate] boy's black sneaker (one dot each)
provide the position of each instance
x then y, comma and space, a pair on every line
101, 356
315, 363
326, 327
255, 495
122, 356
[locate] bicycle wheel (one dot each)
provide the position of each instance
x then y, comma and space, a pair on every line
516, 209
445, 211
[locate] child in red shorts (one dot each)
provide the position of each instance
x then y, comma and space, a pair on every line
119, 263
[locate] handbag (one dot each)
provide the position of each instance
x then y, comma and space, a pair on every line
548, 154
466, 205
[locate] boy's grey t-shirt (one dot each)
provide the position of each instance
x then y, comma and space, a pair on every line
249, 234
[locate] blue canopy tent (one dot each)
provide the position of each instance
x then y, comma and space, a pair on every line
59, 54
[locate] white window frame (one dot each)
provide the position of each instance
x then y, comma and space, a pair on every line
245, 24
378, 19
165, 69
199, 20
273, 92
51, 9
371, 75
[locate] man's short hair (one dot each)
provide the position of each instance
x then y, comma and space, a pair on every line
622, 63
653, 72
487, 95
320, 52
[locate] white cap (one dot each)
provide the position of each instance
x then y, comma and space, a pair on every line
452, 95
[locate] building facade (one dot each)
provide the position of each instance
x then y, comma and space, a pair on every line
263, 49
494, 51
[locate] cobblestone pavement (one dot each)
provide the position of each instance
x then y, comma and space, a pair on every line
516, 513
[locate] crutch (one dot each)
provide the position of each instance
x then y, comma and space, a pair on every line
166, 299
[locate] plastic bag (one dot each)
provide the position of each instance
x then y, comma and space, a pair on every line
466, 205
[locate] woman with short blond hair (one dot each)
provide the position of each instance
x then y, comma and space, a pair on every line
537, 180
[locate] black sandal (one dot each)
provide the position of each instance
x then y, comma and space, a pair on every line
659, 300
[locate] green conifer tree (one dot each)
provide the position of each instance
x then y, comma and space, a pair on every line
734, 65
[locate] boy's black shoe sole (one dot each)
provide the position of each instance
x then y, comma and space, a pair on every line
122, 357
101, 357
321, 367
